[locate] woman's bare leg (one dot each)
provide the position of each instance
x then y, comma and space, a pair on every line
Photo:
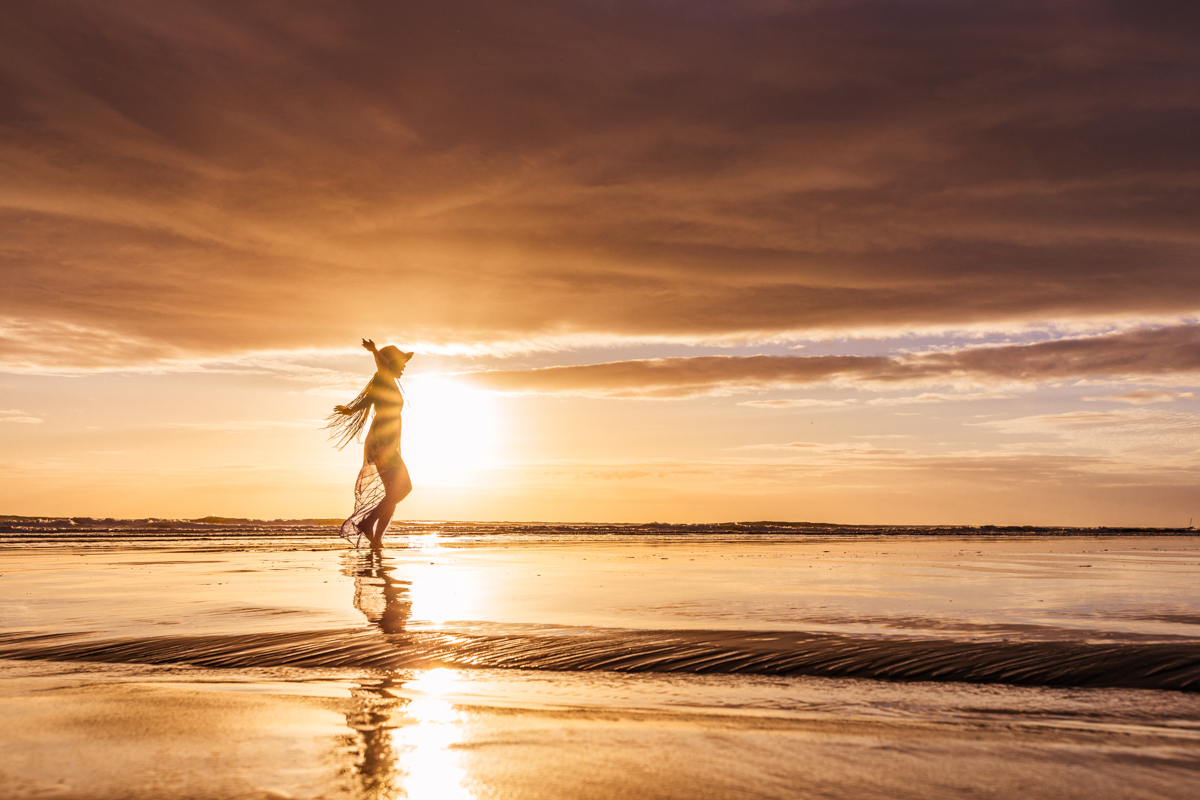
398, 484
366, 525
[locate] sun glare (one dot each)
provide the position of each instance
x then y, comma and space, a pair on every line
440, 595
449, 431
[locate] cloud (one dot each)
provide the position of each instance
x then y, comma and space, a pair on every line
835, 450
1166, 351
1157, 437
798, 403
194, 180
849, 463
1141, 397
925, 397
934, 397
18, 416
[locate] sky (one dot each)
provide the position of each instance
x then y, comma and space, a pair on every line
877, 261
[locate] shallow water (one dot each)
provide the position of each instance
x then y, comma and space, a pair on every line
554, 661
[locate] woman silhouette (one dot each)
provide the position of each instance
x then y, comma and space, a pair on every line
383, 480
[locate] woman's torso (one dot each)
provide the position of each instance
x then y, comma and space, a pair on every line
383, 439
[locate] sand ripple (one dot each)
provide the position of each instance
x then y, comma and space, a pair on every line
1046, 663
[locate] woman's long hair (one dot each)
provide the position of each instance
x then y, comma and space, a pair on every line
345, 428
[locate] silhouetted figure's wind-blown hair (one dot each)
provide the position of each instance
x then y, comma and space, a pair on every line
345, 428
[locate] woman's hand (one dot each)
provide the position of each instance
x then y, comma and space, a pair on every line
343, 410
370, 345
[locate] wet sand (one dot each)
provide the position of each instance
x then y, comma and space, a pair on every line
560, 663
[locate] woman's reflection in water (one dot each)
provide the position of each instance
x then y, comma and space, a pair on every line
382, 599
400, 747
375, 772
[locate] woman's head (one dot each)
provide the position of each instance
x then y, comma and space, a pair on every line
390, 358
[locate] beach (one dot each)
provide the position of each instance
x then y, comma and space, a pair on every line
272, 660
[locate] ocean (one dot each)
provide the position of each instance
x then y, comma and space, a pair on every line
235, 658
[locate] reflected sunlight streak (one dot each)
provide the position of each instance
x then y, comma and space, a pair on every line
425, 542
424, 749
436, 682
440, 595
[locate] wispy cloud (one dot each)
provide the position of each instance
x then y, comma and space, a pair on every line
1156, 435
1141, 397
798, 403
19, 417
936, 397
838, 449
1164, 351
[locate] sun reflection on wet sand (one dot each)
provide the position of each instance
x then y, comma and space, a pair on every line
434, 682
426, 748
406, 746
426, 752
440, 594
426, 541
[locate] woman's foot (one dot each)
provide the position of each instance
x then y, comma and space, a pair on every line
376, 538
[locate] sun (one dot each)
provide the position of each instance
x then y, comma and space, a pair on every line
449, 431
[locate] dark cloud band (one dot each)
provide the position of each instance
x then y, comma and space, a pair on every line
198, 178
1143, 353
